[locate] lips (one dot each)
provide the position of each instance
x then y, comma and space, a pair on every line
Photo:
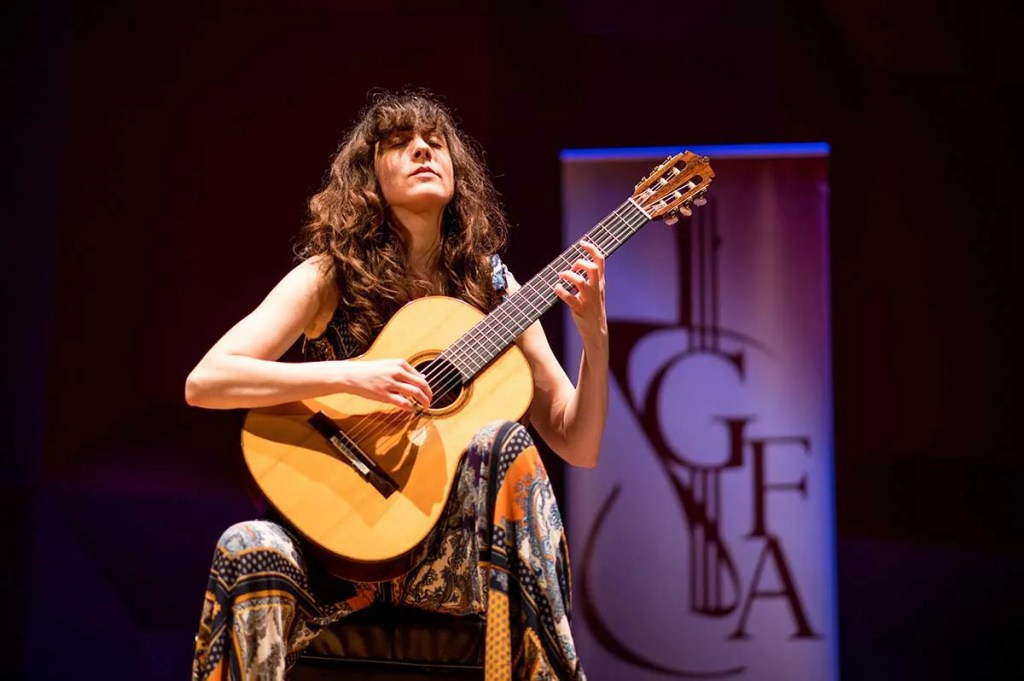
425, 169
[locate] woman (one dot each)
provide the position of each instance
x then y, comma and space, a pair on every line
407, 211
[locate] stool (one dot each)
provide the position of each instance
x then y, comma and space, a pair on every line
395, 644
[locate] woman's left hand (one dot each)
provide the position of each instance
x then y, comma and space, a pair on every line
587, 304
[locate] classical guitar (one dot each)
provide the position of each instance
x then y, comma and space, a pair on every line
366, 482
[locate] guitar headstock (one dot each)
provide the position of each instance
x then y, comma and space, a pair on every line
674, 184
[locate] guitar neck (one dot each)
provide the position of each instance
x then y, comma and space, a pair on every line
475, 349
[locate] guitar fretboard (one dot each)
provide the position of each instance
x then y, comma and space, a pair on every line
476, 348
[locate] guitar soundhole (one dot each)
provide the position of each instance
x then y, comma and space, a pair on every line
444, 379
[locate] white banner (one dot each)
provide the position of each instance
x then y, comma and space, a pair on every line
703, 543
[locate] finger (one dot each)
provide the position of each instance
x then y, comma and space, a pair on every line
592, 269
412, 391
596, 262
418, 381
577, 280
594, 251
567, 298
402, 402
419, 397
577, 269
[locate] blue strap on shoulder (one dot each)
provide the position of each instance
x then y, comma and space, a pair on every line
499, 275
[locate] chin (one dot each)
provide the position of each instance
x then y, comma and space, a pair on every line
427, 199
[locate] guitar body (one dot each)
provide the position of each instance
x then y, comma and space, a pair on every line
365, 482
363, 534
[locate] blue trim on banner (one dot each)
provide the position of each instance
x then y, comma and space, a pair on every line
718, 151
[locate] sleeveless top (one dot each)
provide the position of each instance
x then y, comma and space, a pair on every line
336, 342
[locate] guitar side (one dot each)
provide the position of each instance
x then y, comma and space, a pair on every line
369, 536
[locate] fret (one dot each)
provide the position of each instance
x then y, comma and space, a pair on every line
476, 348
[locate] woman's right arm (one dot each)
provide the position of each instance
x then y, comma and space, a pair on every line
241, 369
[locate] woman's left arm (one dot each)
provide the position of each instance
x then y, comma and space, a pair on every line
571, 419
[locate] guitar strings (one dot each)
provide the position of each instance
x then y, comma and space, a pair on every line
505, 313
605, 235
500, 318
472, 338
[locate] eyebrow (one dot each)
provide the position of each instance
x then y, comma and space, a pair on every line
422, 129
406, 132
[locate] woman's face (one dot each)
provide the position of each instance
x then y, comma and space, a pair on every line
415, 170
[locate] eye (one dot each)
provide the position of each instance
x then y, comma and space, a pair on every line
396, 140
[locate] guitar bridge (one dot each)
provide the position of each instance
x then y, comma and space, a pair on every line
352, 455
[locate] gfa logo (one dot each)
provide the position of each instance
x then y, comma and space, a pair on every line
718, 586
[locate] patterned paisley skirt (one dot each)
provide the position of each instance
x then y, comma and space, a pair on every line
500, 548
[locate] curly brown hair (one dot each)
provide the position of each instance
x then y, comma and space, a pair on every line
349, 220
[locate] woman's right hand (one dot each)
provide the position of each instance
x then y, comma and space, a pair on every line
391, 381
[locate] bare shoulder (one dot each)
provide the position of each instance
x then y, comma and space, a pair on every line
313, 276
317, 272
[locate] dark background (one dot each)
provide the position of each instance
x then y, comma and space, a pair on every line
157, 160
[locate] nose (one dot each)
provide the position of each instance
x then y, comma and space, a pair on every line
420, 148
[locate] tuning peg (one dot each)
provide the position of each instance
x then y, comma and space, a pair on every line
671, 219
